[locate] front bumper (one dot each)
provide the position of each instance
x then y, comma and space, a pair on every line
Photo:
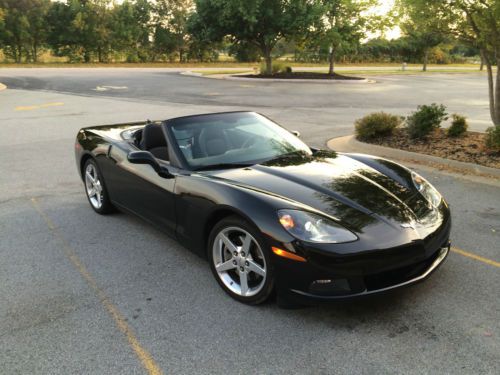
329, 278
433, 264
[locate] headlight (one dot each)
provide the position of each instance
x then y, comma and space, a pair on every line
311, 227
428, 191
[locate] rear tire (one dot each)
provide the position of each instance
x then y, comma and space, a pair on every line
95, 188
240, 262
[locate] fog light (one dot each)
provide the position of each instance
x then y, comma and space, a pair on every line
330, 287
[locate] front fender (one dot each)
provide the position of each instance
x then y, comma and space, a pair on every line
199, 199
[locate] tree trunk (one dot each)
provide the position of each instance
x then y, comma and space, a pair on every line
19, 56
496, 103
426, 58
494, 92
332, 62
86, 56
481, 67
35, 53
269, 61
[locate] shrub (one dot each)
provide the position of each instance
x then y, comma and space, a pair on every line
277, 67
492, 139
288, 70
425, 119
376, 124
458, 126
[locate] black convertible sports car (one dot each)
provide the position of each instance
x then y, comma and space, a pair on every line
269, 213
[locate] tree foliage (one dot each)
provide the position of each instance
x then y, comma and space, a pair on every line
425, 23
342, 26
22, 28
261, 23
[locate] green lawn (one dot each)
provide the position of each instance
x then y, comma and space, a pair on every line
401, 72
215, 72
228, 64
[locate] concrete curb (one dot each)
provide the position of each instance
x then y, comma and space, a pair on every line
350, 144
234, 77
2, 86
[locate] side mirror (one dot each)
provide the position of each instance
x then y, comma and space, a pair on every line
295, 133
146, 157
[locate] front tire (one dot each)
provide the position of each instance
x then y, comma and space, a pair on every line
240, 260
95, 188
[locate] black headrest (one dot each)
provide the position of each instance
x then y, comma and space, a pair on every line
152, 136
216, 147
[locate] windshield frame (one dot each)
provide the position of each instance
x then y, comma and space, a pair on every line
172, 140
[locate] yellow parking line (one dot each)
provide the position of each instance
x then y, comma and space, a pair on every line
146, 359
476, 257
32, 107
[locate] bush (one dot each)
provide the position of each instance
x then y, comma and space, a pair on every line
458, 126
425, 119
277, 67
493, 138
376, 125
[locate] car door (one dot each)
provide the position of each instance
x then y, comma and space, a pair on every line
139, 188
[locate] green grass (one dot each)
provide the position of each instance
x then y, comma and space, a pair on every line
131, 65
399, 71
215, 72
223, 64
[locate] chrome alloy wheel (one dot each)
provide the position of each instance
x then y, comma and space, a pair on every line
239, 261
93, 186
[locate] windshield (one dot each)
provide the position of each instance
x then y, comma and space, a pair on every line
240, 138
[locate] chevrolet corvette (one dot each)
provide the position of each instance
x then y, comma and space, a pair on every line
271, 215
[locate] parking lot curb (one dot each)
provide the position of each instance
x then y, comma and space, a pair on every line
234, 77
2, 86
350, 144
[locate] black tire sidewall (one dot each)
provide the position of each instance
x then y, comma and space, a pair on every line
106, 206
236, 221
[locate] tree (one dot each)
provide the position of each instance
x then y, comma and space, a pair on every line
131, 27
171, 32
24, 29
80, 29
258, 22
483, 30
201, 44
425, 23
37, 28
477, 23
341, 26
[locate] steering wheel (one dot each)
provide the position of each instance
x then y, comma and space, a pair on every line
248, 142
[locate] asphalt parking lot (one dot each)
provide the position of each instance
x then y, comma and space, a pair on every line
83, 293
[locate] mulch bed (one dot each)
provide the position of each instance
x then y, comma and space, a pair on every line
302, 75
468, 148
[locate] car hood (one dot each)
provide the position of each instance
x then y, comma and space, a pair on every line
342, 187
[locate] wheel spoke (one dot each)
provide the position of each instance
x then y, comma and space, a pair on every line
89, 176
92, 192
226, 266
243, 283
247, 243
230, 246
254, 267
